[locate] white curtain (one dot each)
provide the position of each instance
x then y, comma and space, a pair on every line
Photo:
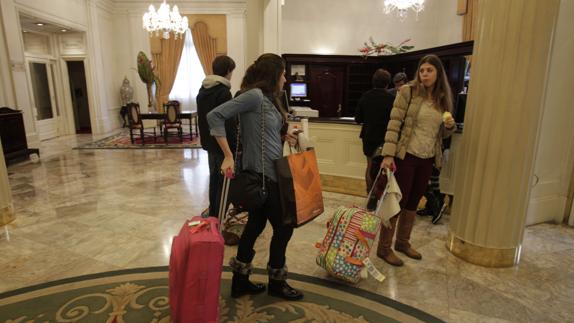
189, 76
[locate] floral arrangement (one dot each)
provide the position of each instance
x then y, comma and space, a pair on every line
372, 48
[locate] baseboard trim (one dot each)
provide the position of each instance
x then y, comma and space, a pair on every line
345, 185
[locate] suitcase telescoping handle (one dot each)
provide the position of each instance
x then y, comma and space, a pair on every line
224, 192
383, 171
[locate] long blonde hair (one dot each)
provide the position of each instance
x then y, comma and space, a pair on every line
441, 93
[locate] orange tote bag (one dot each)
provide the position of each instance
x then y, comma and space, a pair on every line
299, 187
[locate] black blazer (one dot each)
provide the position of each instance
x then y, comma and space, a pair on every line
374, 111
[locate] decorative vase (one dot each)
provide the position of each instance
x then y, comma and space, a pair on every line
126, 92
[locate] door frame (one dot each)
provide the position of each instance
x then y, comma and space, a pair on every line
68, 105
52, 71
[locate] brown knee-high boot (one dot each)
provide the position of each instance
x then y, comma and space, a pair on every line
384, 250
406, 224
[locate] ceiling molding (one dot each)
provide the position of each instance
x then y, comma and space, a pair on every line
185, 7
23, 9
107, 5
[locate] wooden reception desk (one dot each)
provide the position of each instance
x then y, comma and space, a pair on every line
339, 154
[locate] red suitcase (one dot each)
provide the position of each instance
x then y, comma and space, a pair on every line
195, 266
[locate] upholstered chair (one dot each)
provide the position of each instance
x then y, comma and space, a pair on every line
172, 121
136, 124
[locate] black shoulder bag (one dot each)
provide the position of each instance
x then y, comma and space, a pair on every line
247, 189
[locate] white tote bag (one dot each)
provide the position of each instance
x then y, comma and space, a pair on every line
388, 205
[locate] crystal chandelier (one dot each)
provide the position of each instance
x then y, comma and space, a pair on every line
164, 21
402, 7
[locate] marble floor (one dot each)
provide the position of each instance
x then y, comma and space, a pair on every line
87, 211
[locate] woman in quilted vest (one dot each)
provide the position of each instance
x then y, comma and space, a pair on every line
420, 119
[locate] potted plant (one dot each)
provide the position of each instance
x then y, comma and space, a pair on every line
147, 75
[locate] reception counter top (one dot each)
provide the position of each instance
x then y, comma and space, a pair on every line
335, 120
341, 120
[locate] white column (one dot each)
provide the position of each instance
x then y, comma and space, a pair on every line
236, 46
22, 93
272, 26
94, 70
493, 178
6, 209
254, 30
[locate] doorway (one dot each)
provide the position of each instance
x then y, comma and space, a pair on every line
326, 90
79, 95
42, 79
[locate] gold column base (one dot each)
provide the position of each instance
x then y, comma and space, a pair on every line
483, 256
7, 215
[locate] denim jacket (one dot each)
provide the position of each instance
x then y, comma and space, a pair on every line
248, 106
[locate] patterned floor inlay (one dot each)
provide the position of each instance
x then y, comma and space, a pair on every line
141, 295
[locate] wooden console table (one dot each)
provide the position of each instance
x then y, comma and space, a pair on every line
13, 136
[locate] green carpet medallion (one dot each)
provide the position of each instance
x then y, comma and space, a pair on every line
140, 295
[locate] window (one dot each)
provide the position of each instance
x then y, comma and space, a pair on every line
189, 76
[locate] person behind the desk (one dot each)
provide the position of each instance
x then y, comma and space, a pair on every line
420, 119
215, 90
399, 80
373, 112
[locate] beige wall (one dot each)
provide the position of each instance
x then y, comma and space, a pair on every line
254, 24
341, 27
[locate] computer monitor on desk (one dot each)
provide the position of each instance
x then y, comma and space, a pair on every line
298, 90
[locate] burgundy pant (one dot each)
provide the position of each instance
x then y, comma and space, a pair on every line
413, 175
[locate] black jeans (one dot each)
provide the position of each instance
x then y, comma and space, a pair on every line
215, 182
256, 222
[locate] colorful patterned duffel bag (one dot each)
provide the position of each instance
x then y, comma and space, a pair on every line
345, 249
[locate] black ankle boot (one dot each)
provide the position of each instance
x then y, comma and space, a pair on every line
240, 284
278, 286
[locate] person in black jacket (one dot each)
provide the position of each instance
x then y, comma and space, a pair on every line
373, 111
215, 90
